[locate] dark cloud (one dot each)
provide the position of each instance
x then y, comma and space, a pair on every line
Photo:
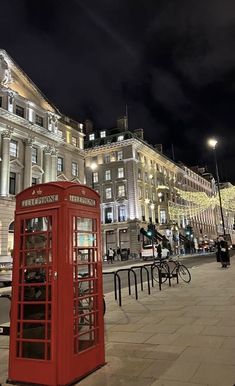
172, 63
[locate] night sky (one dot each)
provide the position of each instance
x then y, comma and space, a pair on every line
172, 62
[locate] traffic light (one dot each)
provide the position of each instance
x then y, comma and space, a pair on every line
151, 230
189, 231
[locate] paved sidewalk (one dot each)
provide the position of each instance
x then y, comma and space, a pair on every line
181, 336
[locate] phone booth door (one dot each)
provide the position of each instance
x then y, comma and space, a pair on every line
33, 301
88, 304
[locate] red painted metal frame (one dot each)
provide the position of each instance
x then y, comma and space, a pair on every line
65, 341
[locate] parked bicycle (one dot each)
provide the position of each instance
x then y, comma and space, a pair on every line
181, 269
170, 267
160, 270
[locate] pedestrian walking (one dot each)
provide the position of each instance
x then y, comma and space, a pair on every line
222, 254
110, 255
118, 254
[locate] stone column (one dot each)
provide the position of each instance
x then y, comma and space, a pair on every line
54, 153
47, 164
5, 163
28, 163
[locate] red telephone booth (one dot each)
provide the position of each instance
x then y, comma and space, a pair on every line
57, 326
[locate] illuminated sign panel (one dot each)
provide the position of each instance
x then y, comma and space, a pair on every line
82, 200
40, 200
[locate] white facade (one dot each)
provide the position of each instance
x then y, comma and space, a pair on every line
37, 143
137, 183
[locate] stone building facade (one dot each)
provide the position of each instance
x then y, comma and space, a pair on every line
37, 144
136, 182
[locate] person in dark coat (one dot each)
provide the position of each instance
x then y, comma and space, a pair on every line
223, 252
159, 251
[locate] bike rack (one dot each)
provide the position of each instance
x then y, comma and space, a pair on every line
142, 267
118, 281
117, 277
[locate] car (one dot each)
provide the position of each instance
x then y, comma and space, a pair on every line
6, 274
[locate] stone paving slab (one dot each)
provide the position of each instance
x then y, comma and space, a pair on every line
181, 336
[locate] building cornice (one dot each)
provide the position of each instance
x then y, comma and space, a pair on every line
17, 120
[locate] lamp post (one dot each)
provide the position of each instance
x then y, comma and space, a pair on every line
212, 143
93, 167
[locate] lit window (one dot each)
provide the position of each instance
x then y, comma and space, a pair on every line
108, 215
121, 213
38, 120
13, 148
107, 175
74, 141
91, 137
60, 164
35, 181
120, 172
120, 138
12, 183
107, 158
20, 111
74, 169
95, 177
160, 197
108, 193
34, 155
121, 191
162, 217
120, 155
102, 134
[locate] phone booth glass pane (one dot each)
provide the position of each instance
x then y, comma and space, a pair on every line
34, 296
85, 283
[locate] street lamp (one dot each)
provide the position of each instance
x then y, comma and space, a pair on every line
212, 143
93, 167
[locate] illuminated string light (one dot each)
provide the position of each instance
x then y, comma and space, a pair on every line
198, 202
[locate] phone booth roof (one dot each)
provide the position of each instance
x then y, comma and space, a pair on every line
52, 193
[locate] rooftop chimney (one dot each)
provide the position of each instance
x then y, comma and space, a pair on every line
158, 147
122, 123
88, 126
139, 133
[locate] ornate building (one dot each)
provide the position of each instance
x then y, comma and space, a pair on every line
139, 185
37, 143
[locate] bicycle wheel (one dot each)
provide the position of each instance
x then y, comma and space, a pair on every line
161, 269
184, 273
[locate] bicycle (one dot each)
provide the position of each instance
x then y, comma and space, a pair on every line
160, 270
181, 269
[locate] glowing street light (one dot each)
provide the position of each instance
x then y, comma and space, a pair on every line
212, 142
